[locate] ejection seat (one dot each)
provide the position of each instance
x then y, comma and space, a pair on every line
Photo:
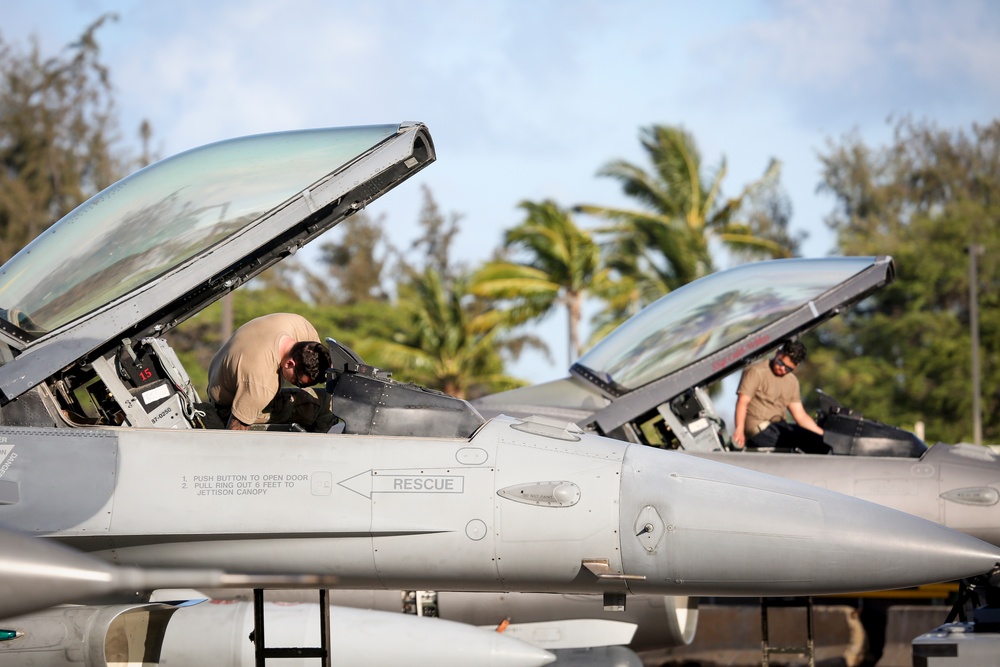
849, 433
371, 403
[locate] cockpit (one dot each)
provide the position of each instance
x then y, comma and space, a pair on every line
144, 384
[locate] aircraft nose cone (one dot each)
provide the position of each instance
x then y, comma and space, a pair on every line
900, 547
719, 530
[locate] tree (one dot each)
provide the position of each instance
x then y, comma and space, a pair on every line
436, 241
560, 266
904, 355
451, 339
356, 263
434, 332
666, 242
451, 342
57, 129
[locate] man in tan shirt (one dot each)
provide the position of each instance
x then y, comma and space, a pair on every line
245, 376
766, 390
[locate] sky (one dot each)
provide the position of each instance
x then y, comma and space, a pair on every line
527, 99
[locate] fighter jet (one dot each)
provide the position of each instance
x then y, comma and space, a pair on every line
102, 445
645, 383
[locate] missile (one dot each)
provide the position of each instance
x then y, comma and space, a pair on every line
37, 573
212, 634
544, 620
520, 505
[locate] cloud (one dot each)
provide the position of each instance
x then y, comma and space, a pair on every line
830, 61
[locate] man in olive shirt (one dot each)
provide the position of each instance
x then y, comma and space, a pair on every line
245, 376
766, 390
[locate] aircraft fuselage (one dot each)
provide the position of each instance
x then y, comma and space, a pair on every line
519, 506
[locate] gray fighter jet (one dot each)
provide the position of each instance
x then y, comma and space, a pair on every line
102, 446
645, 383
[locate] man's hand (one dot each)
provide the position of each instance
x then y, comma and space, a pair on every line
740, 421
803, 419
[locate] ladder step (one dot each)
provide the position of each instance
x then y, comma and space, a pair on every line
766, 649
789, 650
263, 652
278, 652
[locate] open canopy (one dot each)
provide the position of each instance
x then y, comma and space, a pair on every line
698, 334
161, 244
708, 315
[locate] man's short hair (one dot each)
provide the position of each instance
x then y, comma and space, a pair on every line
794, 350
311, 358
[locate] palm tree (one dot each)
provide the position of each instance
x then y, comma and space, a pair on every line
665, 243
561, 265
455, 341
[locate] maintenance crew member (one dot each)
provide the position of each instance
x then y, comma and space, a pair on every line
245, 376
767, 389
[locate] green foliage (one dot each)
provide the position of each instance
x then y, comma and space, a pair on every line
560, 265
355, 263
904, 355
197, 339
451, 342
447, 339
664, 244
433, 247
435, 333
57, 127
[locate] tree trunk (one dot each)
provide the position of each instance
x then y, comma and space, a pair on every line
574, 306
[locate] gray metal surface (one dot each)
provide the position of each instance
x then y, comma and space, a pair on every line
662, 621
433, 518
954, 485
610, 656
956, 645
215, 635
70, 491
37, 573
